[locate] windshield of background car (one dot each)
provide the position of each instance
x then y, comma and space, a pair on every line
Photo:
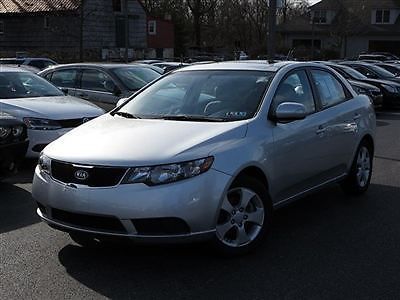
25, 85
382, 72
135, 78
206, 95
353, 73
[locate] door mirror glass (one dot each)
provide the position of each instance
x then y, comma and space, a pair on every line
290, 111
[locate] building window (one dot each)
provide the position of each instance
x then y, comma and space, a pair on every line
1, 27
382, 16
117, 7
319, 17
152, 27
46, 23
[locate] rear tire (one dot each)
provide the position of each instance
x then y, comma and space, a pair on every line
359, 178
244, 217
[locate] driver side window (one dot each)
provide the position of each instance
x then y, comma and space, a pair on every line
295, 88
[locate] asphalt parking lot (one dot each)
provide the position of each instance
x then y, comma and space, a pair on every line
327, 246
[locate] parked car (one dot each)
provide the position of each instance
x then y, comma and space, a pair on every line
207, 152
102, 84
380, 56
46, 111
389, 89
358, 83
371, 71
391, 67
36, 62
170, 66
13, 143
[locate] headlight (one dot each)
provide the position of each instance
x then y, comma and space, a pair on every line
168, 173
44, 164
4, 132
389, 88
17, 131
41, 124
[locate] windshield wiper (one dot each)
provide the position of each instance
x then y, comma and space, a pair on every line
125, 115
192, 118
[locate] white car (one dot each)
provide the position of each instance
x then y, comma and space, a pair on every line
46, 111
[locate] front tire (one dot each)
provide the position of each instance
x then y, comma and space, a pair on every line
244, 217
359, 178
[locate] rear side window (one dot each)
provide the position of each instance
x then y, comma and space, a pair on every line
94, 80
64, 78
329, 89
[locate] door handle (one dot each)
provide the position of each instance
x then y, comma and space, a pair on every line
356, 116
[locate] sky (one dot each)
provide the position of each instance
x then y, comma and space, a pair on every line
314, 1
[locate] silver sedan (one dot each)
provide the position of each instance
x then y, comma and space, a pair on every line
208, 152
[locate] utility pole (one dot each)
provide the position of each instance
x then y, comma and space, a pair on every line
126, 15
272, 29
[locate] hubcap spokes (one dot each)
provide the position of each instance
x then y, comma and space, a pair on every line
241, 217
363, 167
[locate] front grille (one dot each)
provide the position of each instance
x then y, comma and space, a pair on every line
161, 226
376, 93
90, 222
72, 123
96, 176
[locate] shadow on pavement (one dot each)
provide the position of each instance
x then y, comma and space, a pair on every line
17, 208
326, 245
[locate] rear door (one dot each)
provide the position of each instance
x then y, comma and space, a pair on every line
338, 121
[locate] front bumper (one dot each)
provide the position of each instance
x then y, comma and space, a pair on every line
38, 139
11, 155
194, 201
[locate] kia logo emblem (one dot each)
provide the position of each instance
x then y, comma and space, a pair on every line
81, 175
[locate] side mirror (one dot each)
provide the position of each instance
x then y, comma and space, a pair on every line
64, 90
122, 101
290, 111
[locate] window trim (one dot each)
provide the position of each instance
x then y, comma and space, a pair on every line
348, 95
316, 103
382, 15
154, 31
46, 22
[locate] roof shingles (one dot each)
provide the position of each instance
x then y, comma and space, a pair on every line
34, 6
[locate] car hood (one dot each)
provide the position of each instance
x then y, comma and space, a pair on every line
55, 108
116, 141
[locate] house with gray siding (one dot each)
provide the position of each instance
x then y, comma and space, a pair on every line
345, 27
70, 30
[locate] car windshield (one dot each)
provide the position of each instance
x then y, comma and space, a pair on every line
353, 73
381, 71
134, 78
201, 96
25, 85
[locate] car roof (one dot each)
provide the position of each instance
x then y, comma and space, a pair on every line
11, 68
101, 65
245, 65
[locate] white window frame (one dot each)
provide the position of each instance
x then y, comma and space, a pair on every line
382, 13
152, 27
1, 27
